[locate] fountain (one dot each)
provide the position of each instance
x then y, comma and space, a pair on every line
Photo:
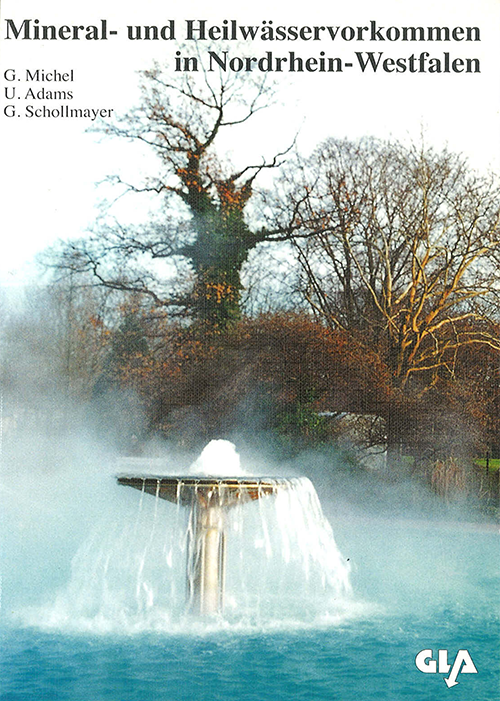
115, 625
213, 547
214, 490
209, 500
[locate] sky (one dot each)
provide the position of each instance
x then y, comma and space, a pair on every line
49, 167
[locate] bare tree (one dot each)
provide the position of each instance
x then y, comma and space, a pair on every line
190, 259
402, 249
397, 246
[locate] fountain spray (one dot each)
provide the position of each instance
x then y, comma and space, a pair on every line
209, 500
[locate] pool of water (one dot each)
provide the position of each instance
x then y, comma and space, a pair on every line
417, 585
367, 660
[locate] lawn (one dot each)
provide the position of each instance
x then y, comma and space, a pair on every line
493, 464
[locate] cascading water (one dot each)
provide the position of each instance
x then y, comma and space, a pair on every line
281, 562
289, 628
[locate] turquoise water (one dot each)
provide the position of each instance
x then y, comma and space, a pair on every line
366, 660
419, 585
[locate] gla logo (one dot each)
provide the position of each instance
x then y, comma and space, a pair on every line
462, 664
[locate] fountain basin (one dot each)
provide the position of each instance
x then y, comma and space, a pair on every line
209, 491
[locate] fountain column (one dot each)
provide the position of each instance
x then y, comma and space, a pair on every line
206, 560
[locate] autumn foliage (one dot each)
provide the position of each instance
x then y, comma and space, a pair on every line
392, 252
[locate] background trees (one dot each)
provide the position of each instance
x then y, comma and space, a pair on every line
392, 259
398, 249
274, 374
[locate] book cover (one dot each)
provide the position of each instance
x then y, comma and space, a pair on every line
249, 267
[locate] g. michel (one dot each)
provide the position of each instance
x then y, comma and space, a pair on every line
40, 75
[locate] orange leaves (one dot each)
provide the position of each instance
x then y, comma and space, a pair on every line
232, 198
274, 365
309, 361
190, 178
96, 321
219, 292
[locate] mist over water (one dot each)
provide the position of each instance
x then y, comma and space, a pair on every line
326, 602
129, 572
80, 553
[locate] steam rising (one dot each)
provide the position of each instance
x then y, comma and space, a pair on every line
283, 565
78, 550
218, 458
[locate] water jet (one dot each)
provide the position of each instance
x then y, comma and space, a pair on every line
209, 499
